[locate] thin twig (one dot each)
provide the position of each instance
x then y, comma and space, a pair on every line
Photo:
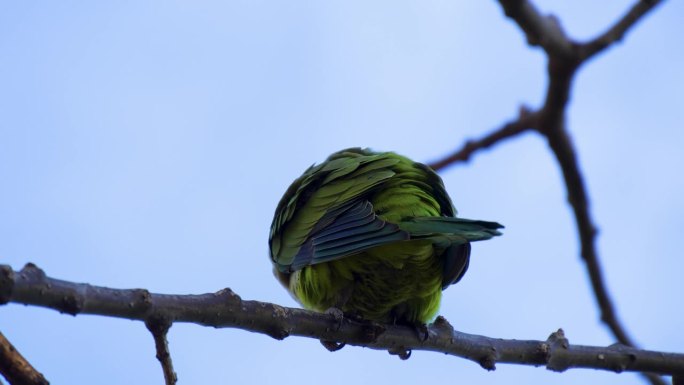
15, 368
526, 121
616, 32
31, 286
159, 327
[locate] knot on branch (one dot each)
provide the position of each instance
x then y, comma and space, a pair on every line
141, 301
489, 360
30, 269
556, 345
629, 357
6, 283
228, 295
441, 323
33, 272
69, 303
278, 332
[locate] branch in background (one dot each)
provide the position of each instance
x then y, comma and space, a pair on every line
31, 286
618, 30
564, 58
159, 327
15, 368
540, 30
526, 121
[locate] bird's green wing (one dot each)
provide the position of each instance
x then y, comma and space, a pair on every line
349, 229
324, 214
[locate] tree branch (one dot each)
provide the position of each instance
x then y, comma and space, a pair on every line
540, 30
159, 327
526, 120
15, 368
31, 286
618, 30
564, 58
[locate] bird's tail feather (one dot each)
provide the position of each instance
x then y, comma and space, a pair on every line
449, 227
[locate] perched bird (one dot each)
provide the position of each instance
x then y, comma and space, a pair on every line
372, 234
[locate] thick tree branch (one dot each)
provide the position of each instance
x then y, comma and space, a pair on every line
15, 368
31, 286
540, 30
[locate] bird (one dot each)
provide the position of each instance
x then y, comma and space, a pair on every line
373, 235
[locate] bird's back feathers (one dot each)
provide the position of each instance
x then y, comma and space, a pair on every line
358, 201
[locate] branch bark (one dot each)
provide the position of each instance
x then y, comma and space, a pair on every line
525, 122
159, 327
616, 32
565, 56
15, 368
31, 286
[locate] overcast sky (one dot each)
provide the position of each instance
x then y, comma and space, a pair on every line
146, 144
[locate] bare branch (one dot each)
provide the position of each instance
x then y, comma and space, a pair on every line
561, 72
15, 368
540, 30
526, 121
564, 57
563, 149
31, 286
159, 327
618, 30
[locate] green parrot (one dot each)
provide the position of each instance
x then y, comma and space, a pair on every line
373, 234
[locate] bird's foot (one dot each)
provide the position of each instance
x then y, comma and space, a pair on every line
333, 346
337, 316
419, 328
401, 352
422, 331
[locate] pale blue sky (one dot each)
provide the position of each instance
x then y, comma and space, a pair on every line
146, 144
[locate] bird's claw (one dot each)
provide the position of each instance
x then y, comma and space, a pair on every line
337, 316
400, 352
333, 346
421, 331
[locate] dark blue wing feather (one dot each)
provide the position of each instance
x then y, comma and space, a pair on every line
344, 231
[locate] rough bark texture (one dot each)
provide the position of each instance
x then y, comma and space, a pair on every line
31, 286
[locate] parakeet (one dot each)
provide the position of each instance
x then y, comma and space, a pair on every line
373, 234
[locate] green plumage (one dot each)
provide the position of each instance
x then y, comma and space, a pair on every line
373, 234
